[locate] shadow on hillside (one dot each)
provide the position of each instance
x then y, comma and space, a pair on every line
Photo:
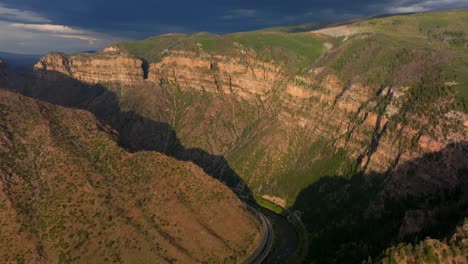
352, 219
136, 133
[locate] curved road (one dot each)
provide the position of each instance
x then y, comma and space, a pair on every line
261, 252
279, 238
286, 238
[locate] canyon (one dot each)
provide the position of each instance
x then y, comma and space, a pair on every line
363, 135
246, 95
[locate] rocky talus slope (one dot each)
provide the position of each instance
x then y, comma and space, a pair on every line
277, 113
69, 193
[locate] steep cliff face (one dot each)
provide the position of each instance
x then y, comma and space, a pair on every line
108, 65
245, 76
356, 114
2, 68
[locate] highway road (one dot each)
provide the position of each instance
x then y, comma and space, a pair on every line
263, 249
286, 238
279, 240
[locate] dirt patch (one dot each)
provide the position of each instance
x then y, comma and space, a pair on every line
276, 200
339, 31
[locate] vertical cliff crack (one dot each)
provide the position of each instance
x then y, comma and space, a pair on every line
145, 68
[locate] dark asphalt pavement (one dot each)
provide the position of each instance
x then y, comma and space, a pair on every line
286, 238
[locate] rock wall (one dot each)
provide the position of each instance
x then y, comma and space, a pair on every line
363, 122
104, 66
287, 110
242, 76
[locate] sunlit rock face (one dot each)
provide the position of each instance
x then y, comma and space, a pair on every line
355, 117
105, 66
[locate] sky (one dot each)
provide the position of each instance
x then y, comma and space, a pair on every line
39, 26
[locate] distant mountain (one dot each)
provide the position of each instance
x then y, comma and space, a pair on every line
20, 61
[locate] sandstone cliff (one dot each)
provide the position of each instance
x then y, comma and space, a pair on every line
244, 76
105, 66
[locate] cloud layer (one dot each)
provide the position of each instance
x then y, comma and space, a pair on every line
12, 14
28, 32
35, 26
408, 6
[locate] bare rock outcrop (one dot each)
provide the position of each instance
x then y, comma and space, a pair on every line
106, 66
242, 76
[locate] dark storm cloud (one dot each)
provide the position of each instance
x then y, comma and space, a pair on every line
142, 18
